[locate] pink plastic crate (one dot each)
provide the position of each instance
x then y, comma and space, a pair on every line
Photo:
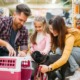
7, 63
15, 68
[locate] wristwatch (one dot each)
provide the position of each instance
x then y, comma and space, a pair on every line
49, 68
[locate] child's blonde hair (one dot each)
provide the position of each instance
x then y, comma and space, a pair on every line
43, 20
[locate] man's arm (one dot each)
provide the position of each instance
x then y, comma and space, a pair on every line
1, 26
24, 44
8, 46
2, 43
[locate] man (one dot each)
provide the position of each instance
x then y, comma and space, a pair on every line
13, 31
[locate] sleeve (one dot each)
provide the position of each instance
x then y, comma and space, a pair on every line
69, 42
24, 42
32, 48
48, 44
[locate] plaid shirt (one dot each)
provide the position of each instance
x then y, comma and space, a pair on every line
21, 39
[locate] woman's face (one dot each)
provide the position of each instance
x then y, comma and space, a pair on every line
38, 26
54, 32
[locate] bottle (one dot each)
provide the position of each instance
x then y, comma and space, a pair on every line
76, 7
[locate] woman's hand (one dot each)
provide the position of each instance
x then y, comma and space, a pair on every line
44, 68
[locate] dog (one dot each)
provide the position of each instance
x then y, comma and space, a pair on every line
47, 60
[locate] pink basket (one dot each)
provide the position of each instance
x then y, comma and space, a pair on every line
15, 68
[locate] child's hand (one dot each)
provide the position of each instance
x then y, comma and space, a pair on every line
31, 52
43, 53
21, 54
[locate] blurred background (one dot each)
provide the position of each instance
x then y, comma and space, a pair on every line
46, 8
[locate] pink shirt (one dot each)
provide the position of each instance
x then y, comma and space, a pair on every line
43, 46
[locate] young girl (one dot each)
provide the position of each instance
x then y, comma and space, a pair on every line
40, 40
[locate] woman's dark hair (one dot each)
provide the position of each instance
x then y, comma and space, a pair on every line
58, 24
23, 8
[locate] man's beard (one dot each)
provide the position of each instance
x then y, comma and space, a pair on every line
18, 26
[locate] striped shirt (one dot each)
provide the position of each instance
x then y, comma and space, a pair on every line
21, 39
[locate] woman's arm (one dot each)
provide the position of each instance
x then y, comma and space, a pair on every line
69, 42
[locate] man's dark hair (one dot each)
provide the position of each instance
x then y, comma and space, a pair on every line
23, 8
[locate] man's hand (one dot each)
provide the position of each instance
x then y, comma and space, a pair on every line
12, 52
21, 54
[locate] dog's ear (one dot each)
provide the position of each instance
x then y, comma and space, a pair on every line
36, 54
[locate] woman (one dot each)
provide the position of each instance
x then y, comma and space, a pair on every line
68, 41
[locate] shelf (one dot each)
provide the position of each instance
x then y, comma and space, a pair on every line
75, 12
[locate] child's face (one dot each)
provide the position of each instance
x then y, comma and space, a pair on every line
38, 26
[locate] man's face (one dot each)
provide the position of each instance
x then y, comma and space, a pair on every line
19, 20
